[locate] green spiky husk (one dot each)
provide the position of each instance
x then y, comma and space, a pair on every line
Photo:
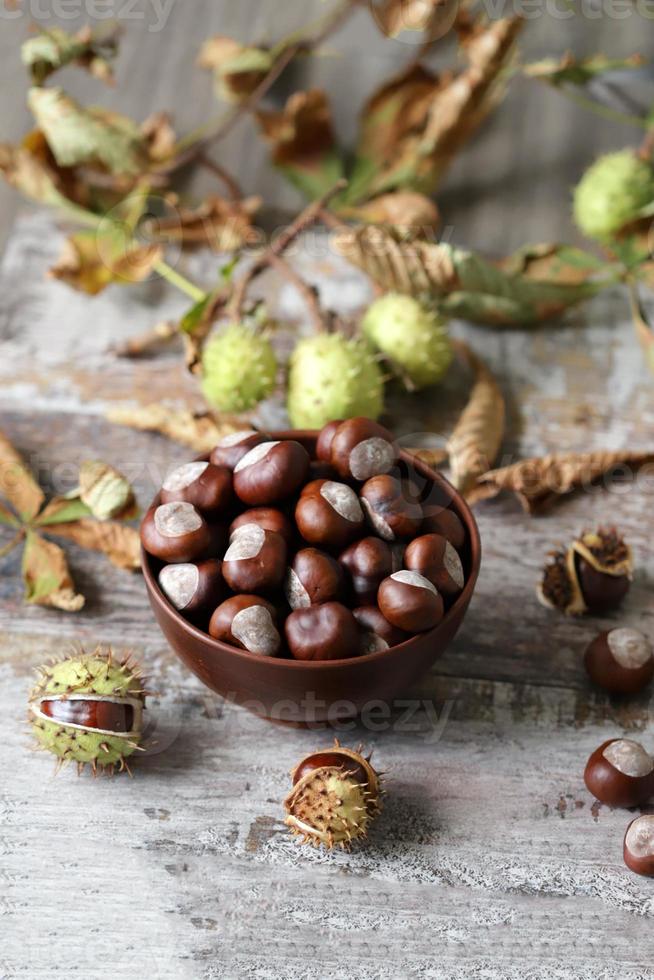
612, 193
333, 377
329, 807
239, 369
96, 674
414, 336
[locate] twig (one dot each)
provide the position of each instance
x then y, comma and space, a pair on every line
161, 333
233, 187
304, 220
308, 293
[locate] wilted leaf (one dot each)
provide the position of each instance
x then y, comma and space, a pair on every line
120, 543
433, 18
237, 68
643, 327
105, 491
201, 431
90, 260
541, 282
414, 125
569, 70
53, 49
17, 485
303, 143
402, 209
477, 436
76, 135
60, 510
542, 481
48, 581
223, 225
32, 176
159, 136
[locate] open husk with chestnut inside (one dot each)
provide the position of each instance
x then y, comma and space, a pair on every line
335, 797
593, 575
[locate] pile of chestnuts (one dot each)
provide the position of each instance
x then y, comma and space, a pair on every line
324, 558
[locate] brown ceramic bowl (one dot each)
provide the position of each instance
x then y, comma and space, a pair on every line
309, 692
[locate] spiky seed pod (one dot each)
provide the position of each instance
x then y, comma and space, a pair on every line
412, 334
612, 193
335, 796
88, 709
594, 574
333, 377
239, 369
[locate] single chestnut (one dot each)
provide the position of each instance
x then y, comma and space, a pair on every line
621, 773
193, 589
443, 520
229, 450
410, 601
325, 439
390, 513
368, 561
271, 472
312, 578
434, 557
361, 448
176, 532
638, 849
329, 514
376, 631
332, 759
249, 622
207, 487
620, 660
604, 566
328, 631
255, 560
269, 518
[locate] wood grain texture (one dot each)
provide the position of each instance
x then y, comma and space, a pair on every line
490, 860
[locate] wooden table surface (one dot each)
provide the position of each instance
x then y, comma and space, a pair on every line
491, 860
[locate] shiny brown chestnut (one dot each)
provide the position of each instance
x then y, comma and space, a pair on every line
255, 560
604, 565
410, 601
312, 578
192, 588
271, 472
248, 622
638, 848
620, 660
442, 520
107, 716
368, 561
176, 532
329, 514
328, 631
390, 513
620, 773
207, 487
336, 759
376, 631
325, 439
233, 447
361, 449
434, 557
269, 518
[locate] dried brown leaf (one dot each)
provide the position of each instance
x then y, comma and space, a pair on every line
119, 542
200, 431
223, 225
541, 481
48, 581
432, 18
7, 518
402, 209
303, 143
477, 436
89, 262
238, 69
17, 485
53, 49
159, 136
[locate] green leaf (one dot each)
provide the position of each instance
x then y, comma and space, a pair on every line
76, 135
47, 578
193, 317
61, 510
536, 284
54, 49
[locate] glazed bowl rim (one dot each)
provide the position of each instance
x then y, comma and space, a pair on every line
457, 503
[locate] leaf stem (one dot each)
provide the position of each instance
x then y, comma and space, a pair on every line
175, 278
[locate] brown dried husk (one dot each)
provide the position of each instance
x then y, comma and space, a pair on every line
566, 563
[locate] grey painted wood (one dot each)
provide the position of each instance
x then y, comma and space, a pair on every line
491, 859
